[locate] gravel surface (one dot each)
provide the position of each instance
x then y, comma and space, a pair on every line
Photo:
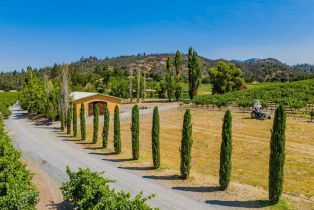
44, 146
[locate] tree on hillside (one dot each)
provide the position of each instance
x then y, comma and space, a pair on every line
105, 130
277, 155
169, 78
82, 122
116, 134
225, 77
96, 124
119, 87
135, 131
186, 145
194, 74
69, 120
155, 138
74, 120
178, 66
226, 151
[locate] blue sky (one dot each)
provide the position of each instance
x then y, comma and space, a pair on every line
41, 33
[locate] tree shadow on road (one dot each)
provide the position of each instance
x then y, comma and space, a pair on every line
64, 205
166, 177
102, 153
118, 160
198, 189
241, 204
140, 168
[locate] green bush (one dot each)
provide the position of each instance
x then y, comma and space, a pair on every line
82, 122
186, 145
89, 190
96, 124
277, 155
105, 130
117, 135
155, 138
69, 120
226, 151
312, 115
135, 131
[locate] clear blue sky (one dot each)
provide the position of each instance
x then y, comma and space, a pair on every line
40, 33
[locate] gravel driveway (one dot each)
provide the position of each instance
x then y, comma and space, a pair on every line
53, 153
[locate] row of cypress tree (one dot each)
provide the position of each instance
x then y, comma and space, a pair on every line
277, 143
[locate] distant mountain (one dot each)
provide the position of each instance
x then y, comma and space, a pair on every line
251, 60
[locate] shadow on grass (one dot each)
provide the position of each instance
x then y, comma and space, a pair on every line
166, 177
241, 204
93, 148
198, 189
102, 153
84, 143
140, 168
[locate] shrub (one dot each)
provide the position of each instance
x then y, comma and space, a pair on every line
96, 124
69, 120
186, 145
105, 130
226, 151
82, 122
89, 190
74, 120
277, 155
155, 138
135, 133
117, 135
312, 115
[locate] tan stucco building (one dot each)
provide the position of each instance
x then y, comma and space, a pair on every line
91, 99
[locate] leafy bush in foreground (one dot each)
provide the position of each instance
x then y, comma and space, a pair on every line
89, 190
16, 188
6, 100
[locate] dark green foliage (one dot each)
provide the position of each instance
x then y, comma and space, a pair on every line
277, 155
74, 120
226, 151
178, 66
186, 145
312, 115
194, 74
119, 86
155, 139
225, 77
96, 124
89, 190
62, 119
16, 188
105, 130
135, 131
6, 100
116, 134
69, 120
82, 122
169, 78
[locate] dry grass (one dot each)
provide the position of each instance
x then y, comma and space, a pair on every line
250, 152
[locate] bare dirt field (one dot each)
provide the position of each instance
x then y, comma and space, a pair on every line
249, 159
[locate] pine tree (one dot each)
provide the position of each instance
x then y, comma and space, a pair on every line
186, 145
117, 135
226, 151
62, 119
82, 122
194, 73
105, 130
69, 120
74, 120
277, 155
155, 138
96, 124
135, 131
178, 66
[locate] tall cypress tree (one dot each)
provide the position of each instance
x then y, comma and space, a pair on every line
155, 139
116, 132
74, 120
96, 124
69, 120
277, 155
178, 66
194, 73
62, 119
226, 151
135, 131
82, 122
169, 78
105, 130
186, 145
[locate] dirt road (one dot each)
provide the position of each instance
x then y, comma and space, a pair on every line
44, 146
